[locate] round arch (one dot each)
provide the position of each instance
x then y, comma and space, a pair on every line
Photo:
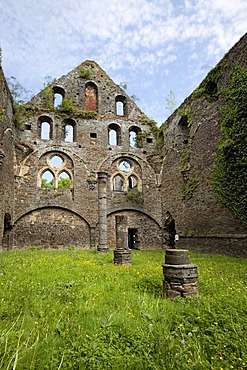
146, 229
51, 227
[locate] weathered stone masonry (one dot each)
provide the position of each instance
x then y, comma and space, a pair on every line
100, 142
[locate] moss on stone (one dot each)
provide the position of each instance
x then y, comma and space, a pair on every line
230, 171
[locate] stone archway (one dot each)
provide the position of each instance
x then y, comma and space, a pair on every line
143, 228
51, 227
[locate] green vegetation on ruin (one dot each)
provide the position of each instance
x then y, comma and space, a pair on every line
134, 195
210, 88
74, 309
230, 172
84, 73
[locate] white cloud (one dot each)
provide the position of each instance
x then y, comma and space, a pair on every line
143, 39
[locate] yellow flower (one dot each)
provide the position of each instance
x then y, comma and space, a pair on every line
180, 326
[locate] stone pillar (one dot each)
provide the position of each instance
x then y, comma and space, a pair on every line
180, 276
122, 253
102, 196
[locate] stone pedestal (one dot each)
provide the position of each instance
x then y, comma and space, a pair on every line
180, 276
122, 253
122, 257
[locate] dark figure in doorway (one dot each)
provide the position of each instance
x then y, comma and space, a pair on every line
7, 234
169, 230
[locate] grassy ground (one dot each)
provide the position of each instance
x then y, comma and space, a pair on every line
75, 310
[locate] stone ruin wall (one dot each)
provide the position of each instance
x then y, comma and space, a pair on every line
7, 133
64, 217
202, 223
59, 218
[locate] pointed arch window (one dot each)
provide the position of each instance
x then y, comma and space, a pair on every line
47, 180
118, 183
55, 171
64, 180
132, 182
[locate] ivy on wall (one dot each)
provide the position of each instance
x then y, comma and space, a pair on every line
230, 171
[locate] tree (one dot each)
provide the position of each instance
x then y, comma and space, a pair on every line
171, 101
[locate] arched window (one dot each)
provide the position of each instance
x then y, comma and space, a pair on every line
47, 180
64, 180
91, 96
69, 133
55, 171
135, 137
132, 182
45, 127
120, 106
114, 134
118, 183
58, 98
59, 94
69, 130
45, 131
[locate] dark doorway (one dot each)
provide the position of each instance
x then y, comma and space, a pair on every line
133, 238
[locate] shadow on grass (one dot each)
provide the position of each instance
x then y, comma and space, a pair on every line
151, 286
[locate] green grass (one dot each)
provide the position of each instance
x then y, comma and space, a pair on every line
74, 309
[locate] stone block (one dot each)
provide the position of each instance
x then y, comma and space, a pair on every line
177, 257
122, 257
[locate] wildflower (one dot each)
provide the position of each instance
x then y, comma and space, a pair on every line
180, 326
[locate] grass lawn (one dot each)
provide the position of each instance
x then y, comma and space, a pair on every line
74, 309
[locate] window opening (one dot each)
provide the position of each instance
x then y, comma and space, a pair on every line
113, 137
124, 166
64, 180
45, 131
58, 98
133, 139
149, 140
118, 184
69, 133
120, 105
119, 108
132, 182
93, 135
56, 161
47, 180
114, 134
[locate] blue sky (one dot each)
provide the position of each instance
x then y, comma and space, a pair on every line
152, 45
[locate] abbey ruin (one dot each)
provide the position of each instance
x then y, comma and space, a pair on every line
68, 169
